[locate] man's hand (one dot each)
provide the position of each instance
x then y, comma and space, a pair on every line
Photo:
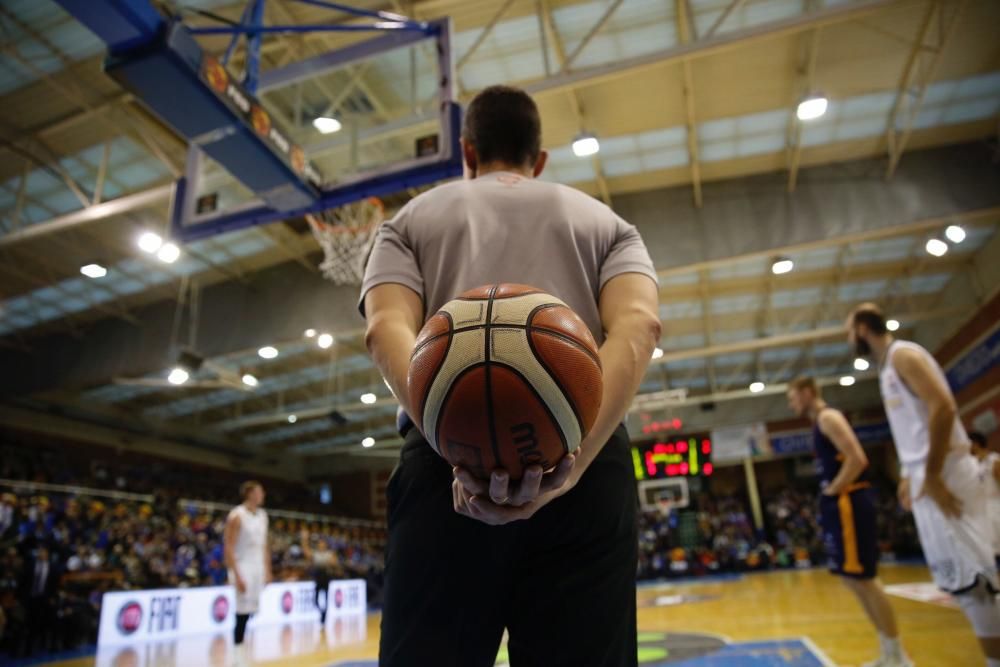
497, 502
241, 586
935, 489
903, 494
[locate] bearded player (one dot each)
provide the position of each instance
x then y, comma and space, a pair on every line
847, 513
940, 482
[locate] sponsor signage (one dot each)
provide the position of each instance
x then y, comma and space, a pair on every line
286, 602
346, 597
253, 115
976, 363
135, 616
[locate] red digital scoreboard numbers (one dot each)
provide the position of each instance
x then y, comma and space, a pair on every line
679, 456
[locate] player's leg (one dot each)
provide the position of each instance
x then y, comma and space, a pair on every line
446, 576
574, 587
980, 606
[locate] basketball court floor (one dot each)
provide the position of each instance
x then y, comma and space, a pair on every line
801, 618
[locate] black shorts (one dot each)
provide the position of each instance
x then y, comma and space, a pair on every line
850, 532
562, 583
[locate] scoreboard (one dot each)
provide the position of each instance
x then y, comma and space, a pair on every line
677, 456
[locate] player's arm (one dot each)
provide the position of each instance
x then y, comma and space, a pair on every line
921, 379
268, 574
834, 426
229, 537
629, 307
394, 315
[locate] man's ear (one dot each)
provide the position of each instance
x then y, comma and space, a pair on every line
543, 158
470, 161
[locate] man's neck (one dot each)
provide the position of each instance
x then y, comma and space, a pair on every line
495, 167
816, 407
250, 506
880, 346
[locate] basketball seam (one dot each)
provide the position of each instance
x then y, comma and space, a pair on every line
555, 379
498, 298
521, 327
569, 339
542, 401
447, 395
434, 375
487, 342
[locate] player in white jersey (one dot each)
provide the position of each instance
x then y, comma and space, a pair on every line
247, 553
940, 481
989, 469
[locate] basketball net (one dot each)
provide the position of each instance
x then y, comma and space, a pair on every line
346, 235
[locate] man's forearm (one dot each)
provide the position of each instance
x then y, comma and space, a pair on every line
849, 472
625, 356
940, 424
391, 345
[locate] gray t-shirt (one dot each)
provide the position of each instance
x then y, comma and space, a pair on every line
502, 227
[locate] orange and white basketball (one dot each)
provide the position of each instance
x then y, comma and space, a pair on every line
505, 376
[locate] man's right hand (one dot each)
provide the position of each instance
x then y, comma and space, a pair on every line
903, 493
241, 586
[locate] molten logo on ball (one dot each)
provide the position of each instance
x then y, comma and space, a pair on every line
220, 609
129, 617
287, 602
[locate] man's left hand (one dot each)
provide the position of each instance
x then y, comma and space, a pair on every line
497, 502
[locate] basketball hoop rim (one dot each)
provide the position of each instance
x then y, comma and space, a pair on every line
325, 227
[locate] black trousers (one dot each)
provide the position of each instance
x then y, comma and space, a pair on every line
562, 582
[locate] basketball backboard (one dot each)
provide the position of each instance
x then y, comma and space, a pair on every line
663, 495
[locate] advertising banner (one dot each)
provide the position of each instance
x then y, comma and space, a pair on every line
286, 602
129, 617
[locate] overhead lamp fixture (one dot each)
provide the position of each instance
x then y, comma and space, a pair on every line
847, 381
892, 325
586, 144
178, 376
310, 333
368, 398
756, 387
812, 107
782, 265
168, 253
268, 352
368, 442
658, 353
190, 361
149, 242
93, 270
325, 340
936, 247
292, 419
955, 234
327, 125
249, 380
861, 364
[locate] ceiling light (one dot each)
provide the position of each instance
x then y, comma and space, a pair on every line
892, 325
292, 419
936, 247
168, 253
847, 381
149, 242
326, 125
268, 352
93, 271
756, 387
657, 353
955, 233
310, 333
782, 265
368, 398
368, 442
249, 380
585, 145
811, 108
861, 364
178, 376
325, 340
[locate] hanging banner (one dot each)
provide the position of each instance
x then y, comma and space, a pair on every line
735, 443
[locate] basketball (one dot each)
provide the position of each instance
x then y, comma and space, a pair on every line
505, 376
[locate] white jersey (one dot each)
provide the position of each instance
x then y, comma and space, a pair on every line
252, 536
992, 496
907, 414
249, 553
